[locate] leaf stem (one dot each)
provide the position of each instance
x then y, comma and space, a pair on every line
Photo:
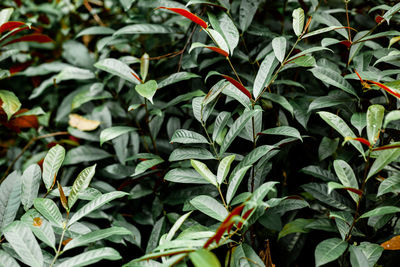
59, 252
148, 127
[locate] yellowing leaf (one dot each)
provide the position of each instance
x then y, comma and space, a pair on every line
392, 244
37, 221
82, 123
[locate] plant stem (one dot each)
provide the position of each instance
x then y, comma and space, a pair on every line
33, 140
222, 197
347, 17
58, 253
148, 127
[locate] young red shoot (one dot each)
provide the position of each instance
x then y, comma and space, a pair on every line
187, 14
238, 85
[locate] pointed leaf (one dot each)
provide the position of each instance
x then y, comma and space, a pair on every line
204, 258
264, 74
380, 211
391, 116
223, 168
30, 185
225, 26
51, 165
204, 171
147, 90
118, 68
144, 66
393, 10
40, 227
247, 10
6, 260
357, 257
10, 199
333, 78
238, 85
375, 115
283, 130
145, 165
49, 210
188, 137
85, 153
389, 185
190, 153
81, 123
80, 184
235, 182
189, 15
91, 256
182, 175
113, 132
210, 207
346, 176
329, 250
385, 157
144, 29
5, 15
220, 123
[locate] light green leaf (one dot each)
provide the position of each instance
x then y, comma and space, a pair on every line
6, 260
298, 21
178, 77
323, 30
380, 211
223, 168
220, 123
264, 74
375, 115
10, 199
176, 226
333, 78
95, 30
190, 153
187, 176
295, 226
339, 125
281, 100
95, 204
329, 250
51, 165
225, 26
147, 90
188, 137
236, 128
235, 182
204, 171
279, 47
5, 15
389, 14
393, 115
247, 10
210, 207
93, 92
357, 257
49, 210
85, 154
91, 256
389, 185
144, 66
80, 184
145, 165
385, 157
284, 130
144, 29
24, 243
113, 132
372, 251
30, 185
118, 68
42, 229
218, 39
260, 193
359, 120
10, 103
346, 176
204, 258
96, 236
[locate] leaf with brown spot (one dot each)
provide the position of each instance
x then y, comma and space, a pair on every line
63, 199
37, 221
81, 123
392, 244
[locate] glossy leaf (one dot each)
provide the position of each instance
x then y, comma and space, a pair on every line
372, 252
333, 78
295, 226
279, 46
9, 102
238, 85
10, 199
281, 100
298, 21
147, 90
264, 74
389, 185
283, 130
204, 258
188, 137
184, 175
144, 29
357, 257
392, 244
6, 260
92, 256
380, 211
80, 184
5, 15
85, 154
223, 168
204, 171
389, 14
118, 68
51, 165
49, 210
31, 179
235, 182
329, 250
226, 27
391, 116
190, 153
177, 77
247, 10
384, 158
95, 30
210, 207
189, 15
220, 123
346, 176
113, 132
375, 115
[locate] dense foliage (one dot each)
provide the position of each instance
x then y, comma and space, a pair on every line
205, 133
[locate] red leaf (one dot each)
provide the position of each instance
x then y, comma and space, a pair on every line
35, 37
386, 147
244, 217
387, 89
137, 77
363, 141
347, 43
379, 19
238, 86
11, 25
354, 190
18, 2
359, 77
218, 50
188, 15
19, 67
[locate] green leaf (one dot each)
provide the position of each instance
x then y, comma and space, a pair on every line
355, 48
40, 227
186, 176
147, 90
393, 115
372, 252
95, 236
158, 229
24, 243
284, 130
279, 47
10, 199
264, 74
333, 78
296, 226
334, 199
346, 176
210, 207
178, 77
49, 210
357, 257
329, 250
305, 61
118, 68
5, 14
380, 211
204, 258
190, 153
144, 29
91, 256
220, 123
235, 182
281, 100
244, 255
359, 120
247, 10
223, 168
95, 204
31, 179
298, 21
218, 39
144, 66
92, 92
260, 193
225, 26
176, 226
389, 14
80, 184
327, 147
145, 165
323, 30
188, 137
95, 30
51, 165
375, 115
389, 185
6, 260
113, 132
236, 128
204, 171
10, 103
85, 154
385, 157
318, 172
341, 127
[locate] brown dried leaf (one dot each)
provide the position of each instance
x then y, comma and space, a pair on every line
81, 123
